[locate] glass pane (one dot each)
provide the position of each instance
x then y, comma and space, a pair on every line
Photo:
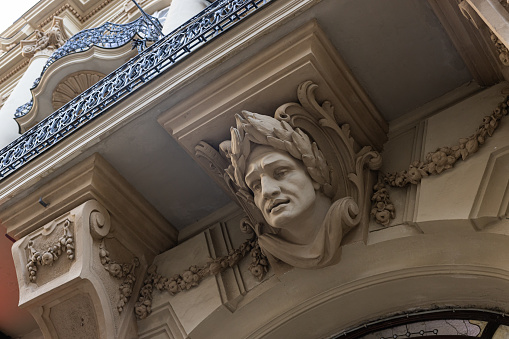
430, 328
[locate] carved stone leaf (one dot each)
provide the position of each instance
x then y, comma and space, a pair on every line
285, 132
275, 142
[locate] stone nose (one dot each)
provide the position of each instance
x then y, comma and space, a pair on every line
270, 187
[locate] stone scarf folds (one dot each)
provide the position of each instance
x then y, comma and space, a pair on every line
325, 248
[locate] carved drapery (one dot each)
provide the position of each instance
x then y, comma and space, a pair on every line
52, 252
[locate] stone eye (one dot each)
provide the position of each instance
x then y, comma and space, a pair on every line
280, 172
256, 186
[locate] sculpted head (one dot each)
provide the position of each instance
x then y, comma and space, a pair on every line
282, 189
282, 172
299, 205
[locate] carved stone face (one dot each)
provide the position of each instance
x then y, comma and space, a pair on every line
283, 190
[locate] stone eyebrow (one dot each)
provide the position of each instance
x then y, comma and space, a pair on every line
266, 164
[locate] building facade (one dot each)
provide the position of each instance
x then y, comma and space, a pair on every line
255, 169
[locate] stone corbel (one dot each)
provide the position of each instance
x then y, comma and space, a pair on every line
45, 42
73, 284
335, 164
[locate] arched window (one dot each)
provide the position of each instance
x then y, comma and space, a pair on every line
436, 324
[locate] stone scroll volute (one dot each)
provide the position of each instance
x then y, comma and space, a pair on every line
307, 136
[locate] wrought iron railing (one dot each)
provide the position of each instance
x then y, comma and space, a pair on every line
108, 35
216, 19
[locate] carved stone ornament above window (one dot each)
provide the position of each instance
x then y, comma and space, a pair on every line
50, 40
300, 178
73, 85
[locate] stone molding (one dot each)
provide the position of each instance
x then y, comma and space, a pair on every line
491, 206
190, 70
272, 75
19, 67
491, 19
411, 271
93, 178
473, 44
92, 216
309, 132
442, 159
82, 18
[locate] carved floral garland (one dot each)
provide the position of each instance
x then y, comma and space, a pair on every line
194, 275
436, 162
46, 258
119, 271
503, 52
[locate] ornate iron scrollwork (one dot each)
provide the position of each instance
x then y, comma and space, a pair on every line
213, 21
108, 36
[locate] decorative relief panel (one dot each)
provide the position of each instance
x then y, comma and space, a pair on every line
73, 85
68, 260
50, 252
46, 257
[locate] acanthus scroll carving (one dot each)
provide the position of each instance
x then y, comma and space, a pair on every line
50, 40
64, 245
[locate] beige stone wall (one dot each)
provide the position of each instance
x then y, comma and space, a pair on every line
439, 252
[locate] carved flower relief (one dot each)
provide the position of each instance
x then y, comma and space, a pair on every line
47, 258
115, 270
383, 209
172, 286
416, 172
503, 52
439, 161
51, 254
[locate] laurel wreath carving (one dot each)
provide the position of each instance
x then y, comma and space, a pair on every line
265, 130
435, 163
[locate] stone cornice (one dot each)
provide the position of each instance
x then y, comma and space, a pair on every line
14, 70
82, 18
93, 178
